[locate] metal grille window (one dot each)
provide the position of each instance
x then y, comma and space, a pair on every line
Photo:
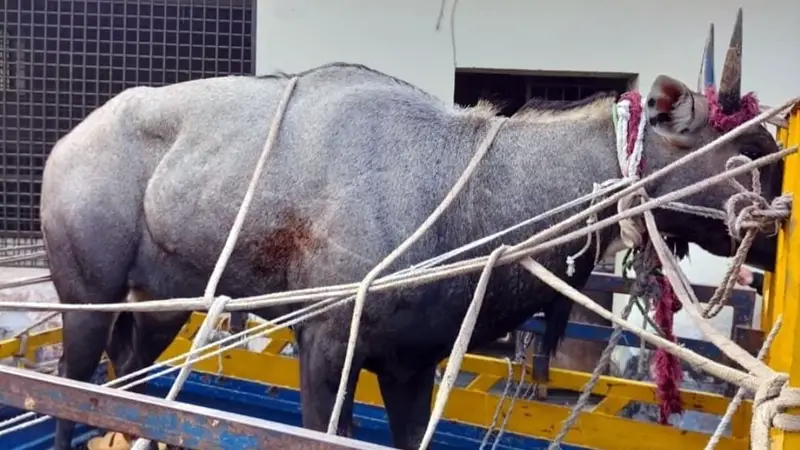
61, 59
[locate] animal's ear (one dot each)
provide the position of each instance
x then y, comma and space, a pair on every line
674, 110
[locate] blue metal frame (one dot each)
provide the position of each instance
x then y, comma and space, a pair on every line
278, 405
171, 422
261, 416
600, 333
742, 301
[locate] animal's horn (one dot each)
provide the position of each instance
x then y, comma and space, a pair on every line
730, 85
707, 69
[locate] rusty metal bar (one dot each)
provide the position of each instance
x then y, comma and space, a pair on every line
157, 419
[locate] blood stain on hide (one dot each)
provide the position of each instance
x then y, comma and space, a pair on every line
288, 244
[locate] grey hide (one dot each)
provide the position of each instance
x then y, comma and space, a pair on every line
141, 195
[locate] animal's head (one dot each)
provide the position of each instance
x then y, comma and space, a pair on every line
681, 120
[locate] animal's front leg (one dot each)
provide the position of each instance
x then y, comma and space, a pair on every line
321, 362
408, 405
529, 348
537, 359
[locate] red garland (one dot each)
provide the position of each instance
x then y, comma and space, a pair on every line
635, 109
722, 122
666, 368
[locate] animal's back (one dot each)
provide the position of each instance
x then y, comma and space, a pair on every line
341, 188
361, 158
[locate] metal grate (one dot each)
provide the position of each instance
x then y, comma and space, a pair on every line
60, 59
511, 91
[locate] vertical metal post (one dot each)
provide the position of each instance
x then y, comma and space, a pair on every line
784, 288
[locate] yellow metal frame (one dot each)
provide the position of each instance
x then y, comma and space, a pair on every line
598, 428
782, 297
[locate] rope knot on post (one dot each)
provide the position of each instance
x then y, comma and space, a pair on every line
748, 210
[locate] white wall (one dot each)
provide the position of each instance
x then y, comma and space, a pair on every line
647, 38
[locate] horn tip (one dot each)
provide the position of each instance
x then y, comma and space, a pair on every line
738, 25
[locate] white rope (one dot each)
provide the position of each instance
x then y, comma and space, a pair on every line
500, 402
772, 395
515, 253
217, 305
19, 282
469, 265
17, 248
507, 414
629, 164
262, 329
572, 258
361, 294
460, 347
196, 355
540, 241
597, 191
19, 258
737, 399
663, 200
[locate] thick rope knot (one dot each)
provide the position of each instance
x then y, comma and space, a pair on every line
748, 210
772, 398
746, 214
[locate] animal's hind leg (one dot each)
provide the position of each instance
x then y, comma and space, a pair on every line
408, 405
85, 334
138, 339
85, 271
321, 362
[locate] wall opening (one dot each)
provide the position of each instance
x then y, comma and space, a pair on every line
512, 90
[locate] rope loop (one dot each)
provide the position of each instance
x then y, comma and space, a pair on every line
772, 399
748, 210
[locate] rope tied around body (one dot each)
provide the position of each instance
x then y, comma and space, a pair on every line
629, 124
216, 305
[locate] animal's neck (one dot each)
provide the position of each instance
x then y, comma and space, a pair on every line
537, 165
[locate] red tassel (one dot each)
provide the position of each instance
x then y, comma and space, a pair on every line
666, 368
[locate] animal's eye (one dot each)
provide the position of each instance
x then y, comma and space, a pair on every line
751, 152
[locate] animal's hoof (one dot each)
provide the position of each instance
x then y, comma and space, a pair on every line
114, 441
